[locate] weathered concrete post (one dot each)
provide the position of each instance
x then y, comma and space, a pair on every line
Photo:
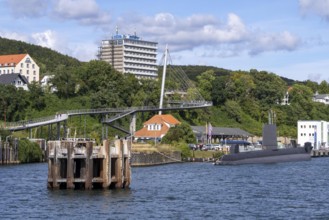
89, 166
119, 163
126, 165
70, 164
107, 165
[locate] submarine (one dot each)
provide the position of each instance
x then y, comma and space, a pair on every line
270, 153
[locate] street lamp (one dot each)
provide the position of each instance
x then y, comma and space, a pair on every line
155, 132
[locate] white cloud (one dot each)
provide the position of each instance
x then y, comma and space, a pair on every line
224, 38
85, 12
27, 8
274, 42
14, 36
47, 38
318, 7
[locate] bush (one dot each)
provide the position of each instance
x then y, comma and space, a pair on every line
29, 152
183, 147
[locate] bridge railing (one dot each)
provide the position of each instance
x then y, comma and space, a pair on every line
32, 121
122, 112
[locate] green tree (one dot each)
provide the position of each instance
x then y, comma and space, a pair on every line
205, 82
29, 152
182, 132
36, 96
323, 87
269, 89
234, 110
65, 82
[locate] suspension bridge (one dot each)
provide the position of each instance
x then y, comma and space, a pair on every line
180, 94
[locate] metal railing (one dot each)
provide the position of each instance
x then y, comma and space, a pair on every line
122, 112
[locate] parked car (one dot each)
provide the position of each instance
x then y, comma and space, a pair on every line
208, 147
192, 146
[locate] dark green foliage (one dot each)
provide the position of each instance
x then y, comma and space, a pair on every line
29, 152
182, 132
183, 148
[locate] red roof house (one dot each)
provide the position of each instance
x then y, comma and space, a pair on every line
156, 127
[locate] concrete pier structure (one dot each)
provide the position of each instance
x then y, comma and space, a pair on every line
77, 164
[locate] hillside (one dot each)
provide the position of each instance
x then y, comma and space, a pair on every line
241, 98
46, 58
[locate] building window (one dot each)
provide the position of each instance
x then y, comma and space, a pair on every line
301, 134
20, 71
33, 65
12, 70
0, 71
33, 72
33, 78
27, 65
22, 65
27, 78
27, 72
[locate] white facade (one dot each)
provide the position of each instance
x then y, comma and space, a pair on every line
130, 54
315, 132
47, 85
22, 64
322, 98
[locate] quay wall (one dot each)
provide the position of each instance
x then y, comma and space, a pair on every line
155, 158
320, 153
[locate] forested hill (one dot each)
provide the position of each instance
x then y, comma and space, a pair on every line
46, 58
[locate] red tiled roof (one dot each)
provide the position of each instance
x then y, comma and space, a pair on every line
13, 58
159, 119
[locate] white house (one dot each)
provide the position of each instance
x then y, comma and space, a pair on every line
14, 79
47, 85
20, 63
315, 132
323, 98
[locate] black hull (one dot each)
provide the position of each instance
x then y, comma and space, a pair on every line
266, 156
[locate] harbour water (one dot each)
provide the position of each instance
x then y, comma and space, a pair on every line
296, 190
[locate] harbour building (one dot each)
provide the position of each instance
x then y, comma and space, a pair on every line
316, 132
130, 54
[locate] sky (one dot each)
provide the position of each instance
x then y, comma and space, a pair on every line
287, 37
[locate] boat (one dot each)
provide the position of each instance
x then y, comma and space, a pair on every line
269, 153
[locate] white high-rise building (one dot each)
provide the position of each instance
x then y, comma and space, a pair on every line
316, 132
130, 54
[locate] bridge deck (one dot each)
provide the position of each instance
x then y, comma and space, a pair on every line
121, 112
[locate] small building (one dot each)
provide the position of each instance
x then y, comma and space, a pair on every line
322, 98
219, 133
156, 127
315, 132
14, 79
20, 63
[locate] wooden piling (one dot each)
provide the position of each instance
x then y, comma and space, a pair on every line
77, 164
